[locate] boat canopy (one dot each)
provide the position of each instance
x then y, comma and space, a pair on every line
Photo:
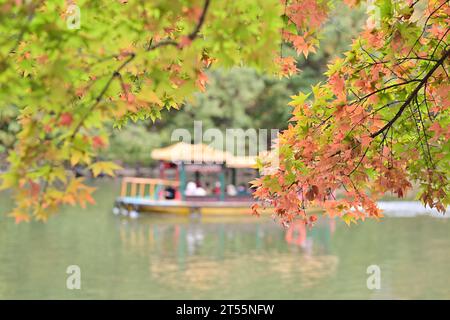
201, 153
241, 162
186, 152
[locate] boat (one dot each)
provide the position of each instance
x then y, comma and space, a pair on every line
181, 162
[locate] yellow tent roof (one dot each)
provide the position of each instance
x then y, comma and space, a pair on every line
241, 162
187, 152
201, 153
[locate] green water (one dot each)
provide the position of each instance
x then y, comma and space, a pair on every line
173, 257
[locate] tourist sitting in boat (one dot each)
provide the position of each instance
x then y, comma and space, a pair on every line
216, 190
208, 188
242, 190
231, 190
200, 191
190, 188
193, 190
169, 193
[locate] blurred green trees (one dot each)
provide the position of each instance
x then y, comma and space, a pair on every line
238, 97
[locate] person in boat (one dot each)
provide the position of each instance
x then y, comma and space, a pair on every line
231, 190
193, 190
169, 193
190, 188
216, 190
208, 188
242, 190
199, 191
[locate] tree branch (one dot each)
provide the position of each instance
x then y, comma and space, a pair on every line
194, 33
413, 94
191, 36
116, 73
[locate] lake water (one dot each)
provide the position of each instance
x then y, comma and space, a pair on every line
176, 257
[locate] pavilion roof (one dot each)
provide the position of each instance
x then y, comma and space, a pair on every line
240, 162
194, 153
202, 153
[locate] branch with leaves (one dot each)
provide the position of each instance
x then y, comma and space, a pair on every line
70, 86
354, 140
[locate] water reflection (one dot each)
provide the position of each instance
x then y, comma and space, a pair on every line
198, 254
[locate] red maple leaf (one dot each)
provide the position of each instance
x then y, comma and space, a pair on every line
97, 142
65, 119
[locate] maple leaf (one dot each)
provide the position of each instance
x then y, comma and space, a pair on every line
312, 193
437, 129
287, 65
98, 142
105, 167
255, 209
202, 79
20, 216
338, 86
150, 96
65, 119
351, 3
366, 140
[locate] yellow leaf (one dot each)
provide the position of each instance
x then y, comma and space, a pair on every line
59, 173
104, 167
150, 96
348, 219
7, 180
76, 157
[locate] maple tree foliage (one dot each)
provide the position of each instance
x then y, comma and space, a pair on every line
127, 60
380, 121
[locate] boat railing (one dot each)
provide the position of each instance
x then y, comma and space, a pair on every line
145, 187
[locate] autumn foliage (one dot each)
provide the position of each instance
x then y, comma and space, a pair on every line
378, 124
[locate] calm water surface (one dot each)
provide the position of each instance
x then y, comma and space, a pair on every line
175, 257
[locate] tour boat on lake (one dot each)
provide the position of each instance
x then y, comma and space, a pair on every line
193, 178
